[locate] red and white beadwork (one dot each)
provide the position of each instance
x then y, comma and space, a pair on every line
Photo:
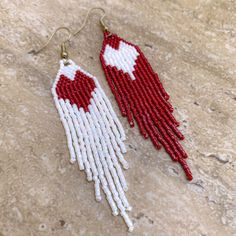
94, 134
141, 96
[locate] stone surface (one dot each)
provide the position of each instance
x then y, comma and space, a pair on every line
192, 46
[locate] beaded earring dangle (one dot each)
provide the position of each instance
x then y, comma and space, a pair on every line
140, 95
94, 134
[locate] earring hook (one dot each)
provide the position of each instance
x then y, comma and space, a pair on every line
103, 25
64, 54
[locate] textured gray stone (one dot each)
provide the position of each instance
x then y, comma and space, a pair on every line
192, 46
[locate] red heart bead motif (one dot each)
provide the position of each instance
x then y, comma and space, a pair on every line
78, 91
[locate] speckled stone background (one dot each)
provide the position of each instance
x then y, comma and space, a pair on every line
192, 45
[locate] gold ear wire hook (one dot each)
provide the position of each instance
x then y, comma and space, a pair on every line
64, 53
104, 27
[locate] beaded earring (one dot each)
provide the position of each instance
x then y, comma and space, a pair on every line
140, 95
94, 134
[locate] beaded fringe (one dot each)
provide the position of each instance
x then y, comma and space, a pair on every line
141, 96
94, 135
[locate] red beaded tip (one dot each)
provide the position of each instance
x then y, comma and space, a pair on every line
186, 169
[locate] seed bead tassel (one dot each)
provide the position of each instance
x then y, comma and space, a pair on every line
109, 106
94, 134
126, 105
166, 141
67, 130
106, 137
95, 154
154, 79
144, 117
160, 123
102, 158
116, 94
73, 133
142, 96
88, 128
158, 98
133, 106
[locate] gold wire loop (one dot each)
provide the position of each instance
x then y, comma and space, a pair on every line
64, 53
103, 25
63, 44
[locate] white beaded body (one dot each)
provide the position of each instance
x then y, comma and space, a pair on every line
95, 140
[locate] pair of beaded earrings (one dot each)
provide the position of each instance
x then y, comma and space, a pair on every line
95, 136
